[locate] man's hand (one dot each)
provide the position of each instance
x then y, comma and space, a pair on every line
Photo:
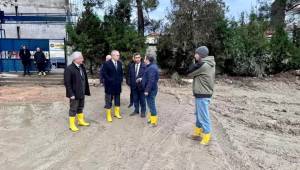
146, 93
138, 80
72, 97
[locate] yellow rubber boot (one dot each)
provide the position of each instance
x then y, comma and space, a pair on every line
81, 121
108, 115
153, 120
117, 113
197, 133
72, 127
205, 138
149, 117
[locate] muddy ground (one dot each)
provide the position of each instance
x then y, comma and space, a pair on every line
256, 125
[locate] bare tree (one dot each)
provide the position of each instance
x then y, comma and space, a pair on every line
94, 3
144, 6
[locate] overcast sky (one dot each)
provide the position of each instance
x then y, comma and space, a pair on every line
235, 7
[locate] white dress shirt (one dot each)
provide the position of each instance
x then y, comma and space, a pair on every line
137, 69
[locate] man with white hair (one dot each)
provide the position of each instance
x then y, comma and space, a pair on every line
113, 78
76, 83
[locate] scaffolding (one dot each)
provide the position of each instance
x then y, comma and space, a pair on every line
67, 13
72, 10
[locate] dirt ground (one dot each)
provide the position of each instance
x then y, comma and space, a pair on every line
256, 125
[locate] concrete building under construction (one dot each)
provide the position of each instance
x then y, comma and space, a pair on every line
41, 29
35, 23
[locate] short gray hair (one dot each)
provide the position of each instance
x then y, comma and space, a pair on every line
114, 51
151, 58
75, 55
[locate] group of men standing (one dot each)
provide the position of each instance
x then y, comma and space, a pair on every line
143, 84
39, 59
143, 79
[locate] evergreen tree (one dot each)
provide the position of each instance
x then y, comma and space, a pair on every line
191, 24
144, 6
88, 37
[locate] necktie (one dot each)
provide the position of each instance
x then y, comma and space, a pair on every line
116, 65
81, 72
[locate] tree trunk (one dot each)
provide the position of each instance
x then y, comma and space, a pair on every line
278, 13
141, 26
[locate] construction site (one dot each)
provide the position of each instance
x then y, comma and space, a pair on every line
35, 24
255, 126
255, 120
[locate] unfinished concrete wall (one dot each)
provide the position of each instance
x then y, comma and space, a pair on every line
36, 31
44, 3
44, 30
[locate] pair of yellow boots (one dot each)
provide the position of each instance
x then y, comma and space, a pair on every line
117, 114
153, 120
198, 133
81, 122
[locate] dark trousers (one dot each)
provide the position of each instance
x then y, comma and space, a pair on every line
40, 67
76, 106
109, 98
151, 102
139, 101
131, 98
26, 66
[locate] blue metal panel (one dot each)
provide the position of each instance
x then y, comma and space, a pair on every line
15, 44
15, 65
7, 65
12, 65
58, 18
19, 66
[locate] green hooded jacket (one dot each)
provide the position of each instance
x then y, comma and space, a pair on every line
204, 78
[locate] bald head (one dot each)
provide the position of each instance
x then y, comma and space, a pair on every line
108, 57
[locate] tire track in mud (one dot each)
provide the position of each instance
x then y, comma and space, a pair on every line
158, 137
128, 143
257, 128
213, 149
223, 145
235, 158
53, 146
232, 150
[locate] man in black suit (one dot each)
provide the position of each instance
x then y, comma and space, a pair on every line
76, 83
40, 61
25, 55
113, 78
127, 82
136, 71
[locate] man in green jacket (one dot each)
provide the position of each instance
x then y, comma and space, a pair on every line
203, 73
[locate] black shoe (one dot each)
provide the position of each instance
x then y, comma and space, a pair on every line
133, 114
143, 115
